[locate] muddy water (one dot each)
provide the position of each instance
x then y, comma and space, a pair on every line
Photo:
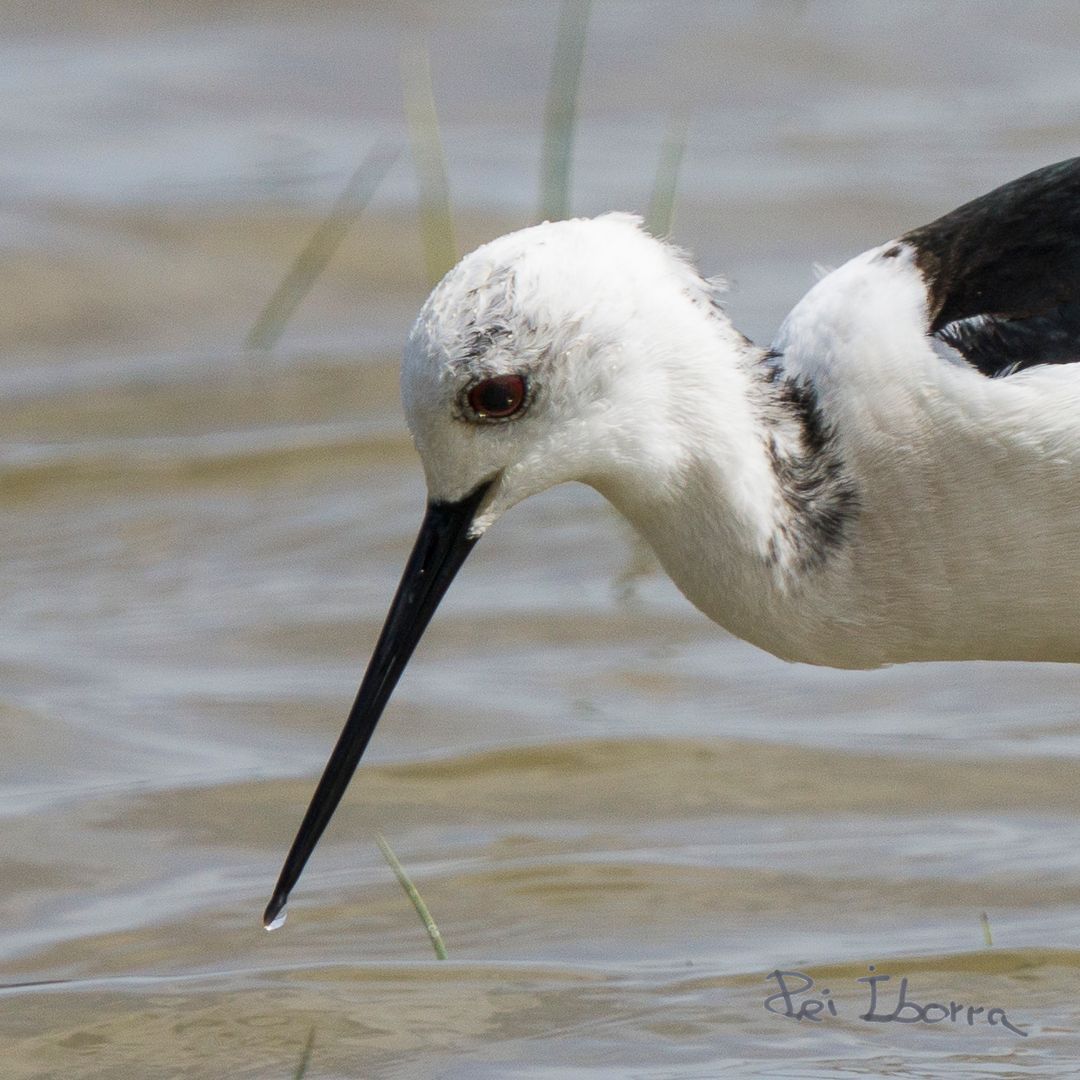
622, 819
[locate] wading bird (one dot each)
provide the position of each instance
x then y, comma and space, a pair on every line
897, 478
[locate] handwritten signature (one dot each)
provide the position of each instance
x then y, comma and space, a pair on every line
793, 999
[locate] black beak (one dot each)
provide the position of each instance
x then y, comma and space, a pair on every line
440, 549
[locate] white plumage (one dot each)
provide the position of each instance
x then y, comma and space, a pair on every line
964, 536
897, 478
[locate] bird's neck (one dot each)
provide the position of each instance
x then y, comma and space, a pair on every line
758, 501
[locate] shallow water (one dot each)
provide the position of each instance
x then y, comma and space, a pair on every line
622, 819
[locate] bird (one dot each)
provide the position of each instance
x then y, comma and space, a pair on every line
895, 478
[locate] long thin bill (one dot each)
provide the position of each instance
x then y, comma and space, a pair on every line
442, 546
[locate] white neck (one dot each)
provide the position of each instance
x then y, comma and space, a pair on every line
734, 485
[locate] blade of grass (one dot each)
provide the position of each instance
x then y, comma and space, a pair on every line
305, 1057
661, 212
312, 260
561, 113
414, 896
436, 222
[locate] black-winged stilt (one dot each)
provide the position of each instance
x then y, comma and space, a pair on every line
897, 478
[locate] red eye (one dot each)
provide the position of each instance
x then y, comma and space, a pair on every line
499, 397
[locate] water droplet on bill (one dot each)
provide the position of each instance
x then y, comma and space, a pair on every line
279, 920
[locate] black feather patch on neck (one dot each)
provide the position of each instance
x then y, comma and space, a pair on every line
821, 499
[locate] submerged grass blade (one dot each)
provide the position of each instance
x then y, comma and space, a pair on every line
312, 260
436, 222
561, 113
305, 1057
661, 212
414, 896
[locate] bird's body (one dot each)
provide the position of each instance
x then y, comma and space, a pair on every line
897, 478
952, 499
966, 542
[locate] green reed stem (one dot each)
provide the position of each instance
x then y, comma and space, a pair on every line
312, 260
661, 211
436, 221
414, 896
305, 1057
560, 116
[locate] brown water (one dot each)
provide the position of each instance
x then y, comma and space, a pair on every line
622, 819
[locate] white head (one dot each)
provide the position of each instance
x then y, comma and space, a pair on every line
545, 356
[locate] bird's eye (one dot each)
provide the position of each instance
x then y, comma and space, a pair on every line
497, 398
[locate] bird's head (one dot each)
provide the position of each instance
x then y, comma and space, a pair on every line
551, 354
538, 360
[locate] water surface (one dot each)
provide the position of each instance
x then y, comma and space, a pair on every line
622, 819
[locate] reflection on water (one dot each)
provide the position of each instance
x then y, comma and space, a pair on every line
621, 819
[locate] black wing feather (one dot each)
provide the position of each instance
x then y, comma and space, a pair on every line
1003, 272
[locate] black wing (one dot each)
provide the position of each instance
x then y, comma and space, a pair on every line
1003, 272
